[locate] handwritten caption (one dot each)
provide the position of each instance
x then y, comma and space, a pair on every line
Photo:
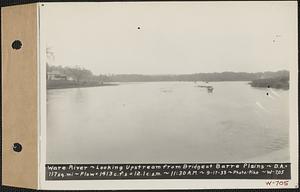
168, 171
277, 183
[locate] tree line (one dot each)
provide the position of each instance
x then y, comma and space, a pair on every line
223, 76
80, 74
77, 73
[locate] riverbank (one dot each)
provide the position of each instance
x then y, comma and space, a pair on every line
64, 84
277, 83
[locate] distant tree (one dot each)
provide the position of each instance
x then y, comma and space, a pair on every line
103, 78
78, 73
50, 57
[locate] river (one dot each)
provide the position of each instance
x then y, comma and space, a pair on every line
167, 122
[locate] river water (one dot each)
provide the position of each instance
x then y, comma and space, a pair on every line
167, 122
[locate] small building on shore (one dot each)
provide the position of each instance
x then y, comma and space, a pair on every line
55, 75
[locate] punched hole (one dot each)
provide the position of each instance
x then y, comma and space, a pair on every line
17, 44
17, 147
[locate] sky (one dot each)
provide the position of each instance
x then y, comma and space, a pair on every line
171, 37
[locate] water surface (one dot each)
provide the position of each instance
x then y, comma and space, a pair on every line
167, 122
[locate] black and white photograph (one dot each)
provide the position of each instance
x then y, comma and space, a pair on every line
150, 95
168, 83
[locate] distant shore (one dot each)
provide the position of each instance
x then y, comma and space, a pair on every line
64, 84
277, 83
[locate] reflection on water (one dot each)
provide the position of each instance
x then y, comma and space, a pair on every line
167, 122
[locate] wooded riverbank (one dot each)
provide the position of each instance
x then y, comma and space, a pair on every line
277, 83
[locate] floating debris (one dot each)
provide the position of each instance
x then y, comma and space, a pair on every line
208, 87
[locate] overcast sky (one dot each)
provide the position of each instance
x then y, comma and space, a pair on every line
172, 38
